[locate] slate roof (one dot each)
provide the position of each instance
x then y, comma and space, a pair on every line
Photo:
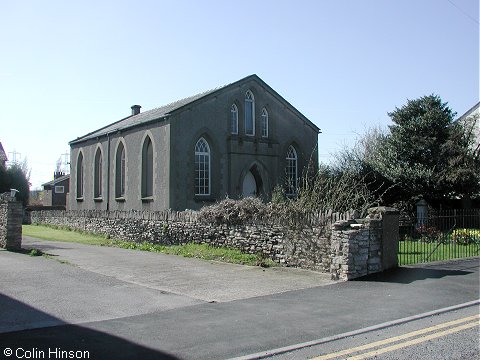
57, 180
166, 110
470, 111
3, 155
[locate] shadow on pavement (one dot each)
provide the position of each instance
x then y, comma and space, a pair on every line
407, 275
56, 336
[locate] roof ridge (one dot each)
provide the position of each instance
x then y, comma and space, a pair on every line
3, 154
59, 179
167, 109
199, 95
180, 103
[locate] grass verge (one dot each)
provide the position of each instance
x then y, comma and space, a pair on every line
63, 234
201, 251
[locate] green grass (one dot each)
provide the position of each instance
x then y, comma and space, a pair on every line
63, 234
413, 252
201, 251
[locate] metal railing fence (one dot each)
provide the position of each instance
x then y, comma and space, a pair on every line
441, 235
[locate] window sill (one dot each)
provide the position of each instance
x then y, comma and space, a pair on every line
147, 199
79, 199
98, 199
120, 199
204, 199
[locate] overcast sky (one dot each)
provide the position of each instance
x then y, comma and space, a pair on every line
70, 67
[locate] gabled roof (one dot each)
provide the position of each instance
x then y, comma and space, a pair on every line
470, 111
3, 156
57, 180
165, 111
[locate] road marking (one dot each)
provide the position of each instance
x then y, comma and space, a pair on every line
286, 349
415, 341
403, 337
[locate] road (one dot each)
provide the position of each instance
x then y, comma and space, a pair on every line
89, 305
451, 334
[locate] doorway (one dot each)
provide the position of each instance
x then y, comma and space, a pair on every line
252, 183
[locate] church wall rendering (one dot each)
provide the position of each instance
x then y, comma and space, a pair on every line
238, 140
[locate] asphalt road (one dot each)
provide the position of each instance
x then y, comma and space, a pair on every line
45, 304
448, 335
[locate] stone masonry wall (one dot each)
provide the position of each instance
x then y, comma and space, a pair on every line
346, 249
356, 249
11, 216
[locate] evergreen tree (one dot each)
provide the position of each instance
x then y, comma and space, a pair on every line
19, 181
16, 176
428, 154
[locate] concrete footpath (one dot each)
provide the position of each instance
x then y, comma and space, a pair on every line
126, 304
194, 278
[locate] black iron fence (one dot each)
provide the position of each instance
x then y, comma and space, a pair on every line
439, 235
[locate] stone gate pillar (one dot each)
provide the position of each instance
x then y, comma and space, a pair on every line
389, 235
11, 215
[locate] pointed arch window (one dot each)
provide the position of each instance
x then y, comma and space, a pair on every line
234, 119
202, 167
79, 175
97, 175
147, 168
120, 171
264, 123
292, 171
249, 114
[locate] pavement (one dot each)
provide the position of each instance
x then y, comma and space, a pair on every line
189, 277
126, 304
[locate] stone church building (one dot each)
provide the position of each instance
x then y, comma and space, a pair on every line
238, 140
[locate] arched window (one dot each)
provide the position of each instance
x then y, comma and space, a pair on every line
234, 119
202, 167
120, 175
249, 114
292, 171
147, 168
80, 176
264, 123
97, 174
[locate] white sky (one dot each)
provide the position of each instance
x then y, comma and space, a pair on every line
70, 67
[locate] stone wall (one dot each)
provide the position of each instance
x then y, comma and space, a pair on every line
11, 215
347, 249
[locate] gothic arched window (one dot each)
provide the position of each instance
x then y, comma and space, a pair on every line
202, 167
97, 174
264, 123
120, 171
147, 168
234, 119
249, 114
79, 175
292, 171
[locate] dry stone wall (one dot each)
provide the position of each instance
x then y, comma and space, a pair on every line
346, 249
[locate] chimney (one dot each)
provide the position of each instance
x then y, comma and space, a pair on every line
58, 174
136, 109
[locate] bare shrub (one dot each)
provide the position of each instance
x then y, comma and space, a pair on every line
234, 212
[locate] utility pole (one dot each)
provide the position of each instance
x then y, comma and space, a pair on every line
14, 156
66, 162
